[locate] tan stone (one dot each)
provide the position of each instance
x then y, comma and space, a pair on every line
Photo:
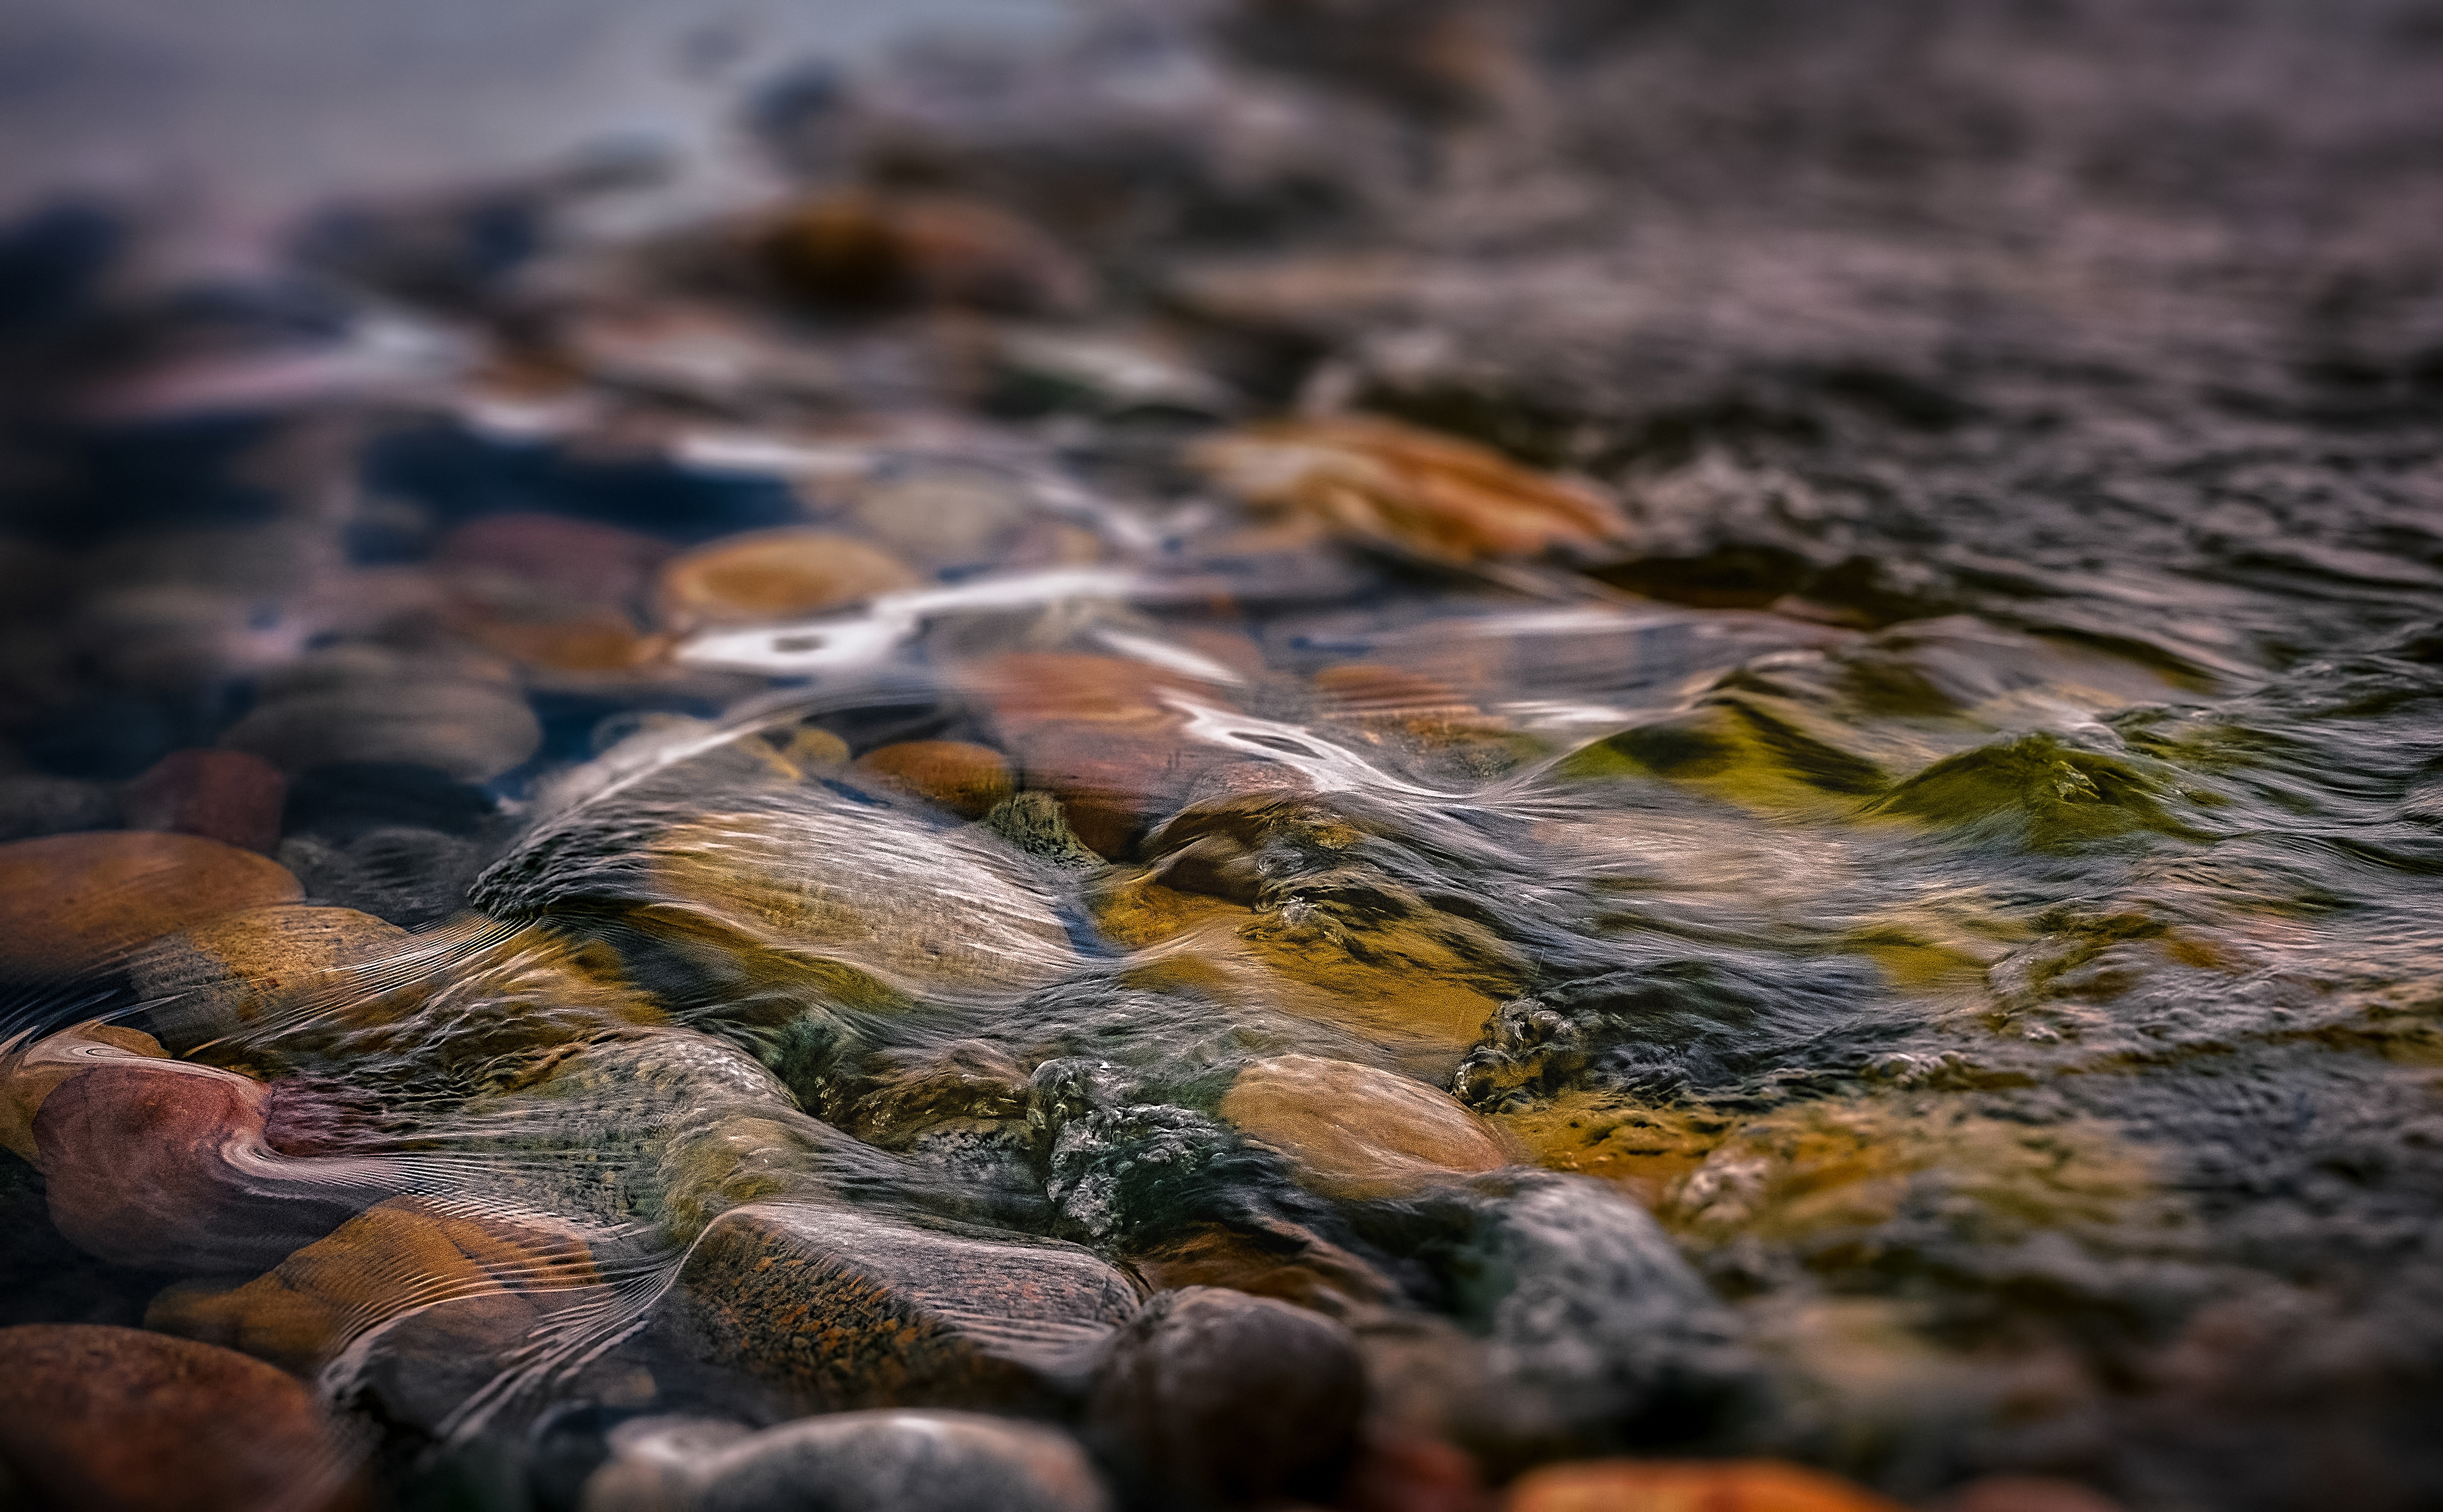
73, 904
405, 1252
1416, 491
1688, 1486
1357, 1132
774, 575
965, 778
228, 976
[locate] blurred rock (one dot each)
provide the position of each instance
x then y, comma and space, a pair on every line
515, 554
1264, 1259
941, 517
367, 704
966, 779
2023, 1493
96, 1419
863, 250
224, 796
1356, 1132
774, 575
1215, 1398
847, 1462
73, 904
32, 806
1383, 483
1668, 1485
411, 877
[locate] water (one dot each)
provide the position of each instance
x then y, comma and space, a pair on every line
1860, 892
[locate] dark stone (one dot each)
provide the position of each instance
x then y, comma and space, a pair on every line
340, 802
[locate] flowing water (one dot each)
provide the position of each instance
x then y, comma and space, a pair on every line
1868, 896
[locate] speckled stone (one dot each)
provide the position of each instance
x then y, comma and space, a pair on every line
74, 903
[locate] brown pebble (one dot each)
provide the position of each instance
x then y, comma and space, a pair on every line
966, 779
72, 903
1689, 1486
98, 1419
226, 795
2025, 1493
1354, 1131
862, 249
774, 575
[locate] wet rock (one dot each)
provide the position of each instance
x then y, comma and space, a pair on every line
581, 559
1211, 1398
339, 803
2055, 794
848, 1462
833, 1308
1036, 823
1391, 486
366, 703
774, 575
1401, 1474
32, 806
51, 1059
73, 904
1356, 1132
412, 876
891, 906
966, 779
163, 1164
401, 1253
940, 516
1694, 1486
859, 249
101, 1420
231, 976
224, 796
1264, 1258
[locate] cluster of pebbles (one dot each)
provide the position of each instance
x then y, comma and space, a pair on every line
1118, 809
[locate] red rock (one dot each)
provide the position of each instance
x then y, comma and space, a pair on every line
1216, 1399
53, 1060
966, 779
96, 1419
1413, 1475
73, 904
1688, 1486
224, 795
163, 1164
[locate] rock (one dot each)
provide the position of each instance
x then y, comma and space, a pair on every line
163, 1164
224, 796
941, 516
578, 560
231, 976
966, 779
1690, 1485
856, 248
833, 1308
1357, 1132
367, 704
1211, 1399
2024, 1493
410, 876
34, 805
1395, 1475
399, 1254
53, 1060
774, 575
75, 904
98, 1419
848, 1462
1418, 492
800, 886
1265, 1259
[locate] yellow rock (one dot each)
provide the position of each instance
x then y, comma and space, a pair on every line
73, 904
1357, 1132
966, 779
774, 574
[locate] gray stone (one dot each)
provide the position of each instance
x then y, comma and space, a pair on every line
849, 1462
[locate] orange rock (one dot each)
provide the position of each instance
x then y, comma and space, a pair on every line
859, 249
1354, 1131
120, 1420
1688, 1486
1416, 491
224, 796
405, 1252
601, 641
73, 904
966, 779
774, 575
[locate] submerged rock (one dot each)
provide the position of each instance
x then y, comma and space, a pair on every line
774, 574
73, 904
99, 1419
847, 1462
1356, 1132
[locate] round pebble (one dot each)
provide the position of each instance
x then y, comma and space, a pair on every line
72, 903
